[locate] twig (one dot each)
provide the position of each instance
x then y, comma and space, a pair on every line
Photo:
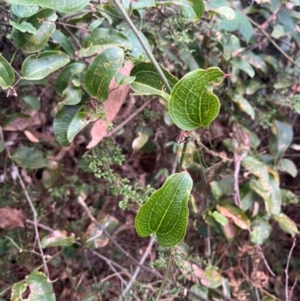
260, 251
117, 245
147, 50
121, 125
287, 295
37, 236
136, 272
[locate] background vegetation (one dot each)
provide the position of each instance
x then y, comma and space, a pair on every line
87, 135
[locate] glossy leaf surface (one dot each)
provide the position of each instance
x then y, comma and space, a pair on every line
7, 75
101, 71
39, 66
65, 6
68, 122
165, 214
192, 103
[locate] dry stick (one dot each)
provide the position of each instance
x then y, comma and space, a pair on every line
136, 272
109, 262
37, 236
117, 245
260, 251
287, 295
121, 125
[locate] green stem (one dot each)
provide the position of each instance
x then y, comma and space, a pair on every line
147, 50
186, 140
165, 277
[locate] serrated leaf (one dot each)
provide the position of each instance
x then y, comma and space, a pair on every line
288, 166
148, 82
244, 105
38, 66
66, 75
71, 96
281, 136
22, 11
242, 65
260, 231
57, 238
68, 122
66, 6
43, 22
39, 285
23, 26
101, 71
235, 214
286, 224
58, 37
7, 75
192, 103
29, 157
165, 214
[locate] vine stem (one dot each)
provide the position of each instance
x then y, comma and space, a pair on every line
186, 140
147, 50
165, 276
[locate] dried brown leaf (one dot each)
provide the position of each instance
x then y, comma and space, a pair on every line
111, 106
31, 137
11, 218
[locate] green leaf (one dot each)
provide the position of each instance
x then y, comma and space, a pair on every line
101, 71
66, 6
256, 167
220, 218
261, 230
58, 37
43, 22
286, 224
66, 76
23, 26
68, 122
57, 238
29, 157
7, 75
96, 23
39, 285
235, 214
143, 135
192, 103
142, 4
32, 101
222, 187
242, 65
165, 214
288, 197
199, 290
38, 66
244, 105
212, 277
281, 136
255, 60
2, 146
288, 166
268, 298
193, 9
22, 11
71, 96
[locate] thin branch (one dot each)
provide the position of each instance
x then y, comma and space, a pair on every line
287, 295
260, 251
117, 245
121, 125
136, 272
147, 50
37, 236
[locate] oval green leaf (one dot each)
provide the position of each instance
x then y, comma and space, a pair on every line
58, 238
22, 11
72, 96
193, 9
66, 6
58, 37
192, 103
66, 75
165, 214
41, 65
260, 231
286, 224
43, 24
68, 122
101, 71
287, 165
7, 75
39, 285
